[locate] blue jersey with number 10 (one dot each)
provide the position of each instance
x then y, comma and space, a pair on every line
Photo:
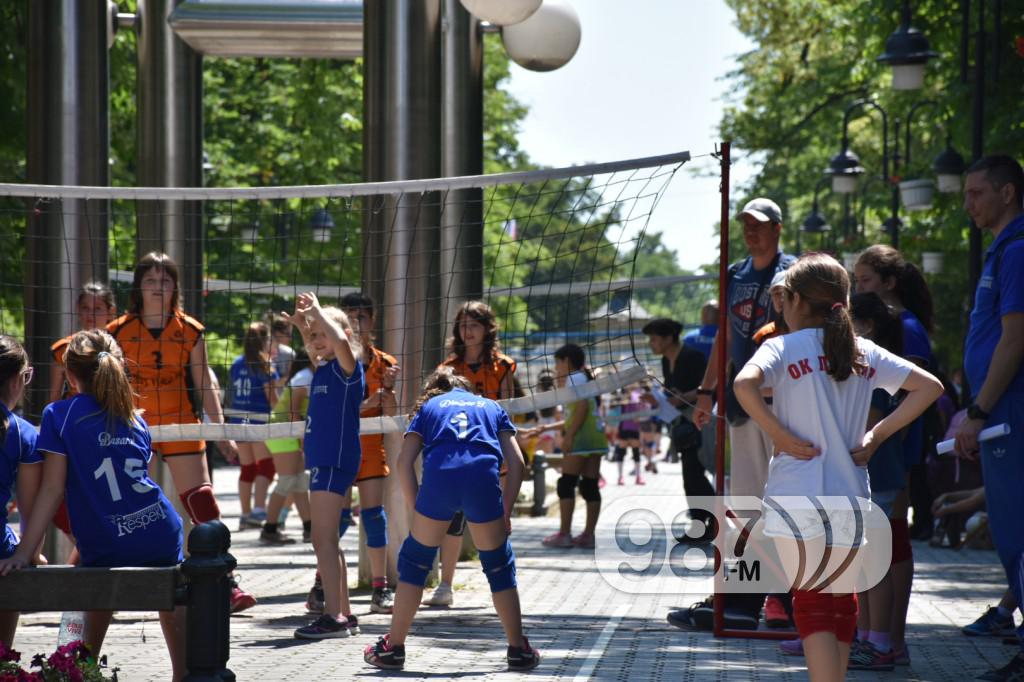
248, 390
119, 516
458, 428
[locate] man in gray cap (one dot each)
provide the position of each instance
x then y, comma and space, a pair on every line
749, 307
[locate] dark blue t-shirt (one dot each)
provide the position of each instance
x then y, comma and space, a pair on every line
750, 305
916, 344
992, 301
19, 447
459, 428
702, 339
119, 516
886, 468
247, 387
332, 419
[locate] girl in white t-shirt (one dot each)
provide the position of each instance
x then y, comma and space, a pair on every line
822, 377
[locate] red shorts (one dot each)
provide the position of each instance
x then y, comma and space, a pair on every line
825, 612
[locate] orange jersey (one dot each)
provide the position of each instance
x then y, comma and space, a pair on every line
486, 378
375, 459
57, 350
157, 365
766, 332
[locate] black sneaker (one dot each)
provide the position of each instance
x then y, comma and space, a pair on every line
701, 617
324, 627
523, 657
1011, 672
385, 656
382, 601
353, 624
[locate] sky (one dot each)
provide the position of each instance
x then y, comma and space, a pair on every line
647, 80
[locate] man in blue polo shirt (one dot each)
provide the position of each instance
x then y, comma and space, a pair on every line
703, 338
993, 358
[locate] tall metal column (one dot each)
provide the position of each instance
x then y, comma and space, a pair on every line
462, 153
169, 146
68, 144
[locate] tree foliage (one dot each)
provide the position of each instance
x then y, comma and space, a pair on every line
808, 61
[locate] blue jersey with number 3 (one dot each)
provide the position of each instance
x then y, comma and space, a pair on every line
332, 419
119, 516
458, 428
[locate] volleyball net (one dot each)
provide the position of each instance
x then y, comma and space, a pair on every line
552, 252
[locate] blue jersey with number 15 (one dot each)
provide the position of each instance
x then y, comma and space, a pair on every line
458, 428
119, 516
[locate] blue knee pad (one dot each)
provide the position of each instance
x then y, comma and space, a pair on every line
345, 523
415, 561
500, 567
375, 521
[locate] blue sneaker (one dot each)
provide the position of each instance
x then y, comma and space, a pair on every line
991, 624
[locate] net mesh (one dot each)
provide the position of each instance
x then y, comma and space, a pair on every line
551, 252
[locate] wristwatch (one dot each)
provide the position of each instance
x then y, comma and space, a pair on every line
975, 412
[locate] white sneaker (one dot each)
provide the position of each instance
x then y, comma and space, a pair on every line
442, 596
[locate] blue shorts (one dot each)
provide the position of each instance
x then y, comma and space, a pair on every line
245, 420
332, 479
8, 542
474, 489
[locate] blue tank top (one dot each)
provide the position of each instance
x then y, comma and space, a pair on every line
248, 390
458, 428
332, 420
119, 516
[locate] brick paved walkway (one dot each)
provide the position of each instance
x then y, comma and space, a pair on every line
585, 629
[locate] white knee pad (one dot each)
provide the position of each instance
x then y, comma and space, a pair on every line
291, 483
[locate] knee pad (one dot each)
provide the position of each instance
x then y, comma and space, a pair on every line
200, 504
620, 453
345, 522
500, 567
375, 521
247, 473
590, 490
286, 484
415, 561
265, 468
566, 487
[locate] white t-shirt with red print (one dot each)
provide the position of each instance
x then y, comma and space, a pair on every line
828, 413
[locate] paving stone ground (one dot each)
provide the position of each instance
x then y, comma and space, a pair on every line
585, 628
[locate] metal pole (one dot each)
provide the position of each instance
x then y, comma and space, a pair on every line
977, 143
170, 145
68, 144
462, 153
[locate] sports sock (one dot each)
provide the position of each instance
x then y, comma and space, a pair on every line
880, 640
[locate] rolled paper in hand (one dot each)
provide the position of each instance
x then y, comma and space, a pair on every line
999, 430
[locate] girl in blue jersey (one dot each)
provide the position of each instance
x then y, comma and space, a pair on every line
464, 439
332, 451
19, 460
253, 391
96, 453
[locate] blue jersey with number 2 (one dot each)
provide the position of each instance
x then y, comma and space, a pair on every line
459, 428
119, 516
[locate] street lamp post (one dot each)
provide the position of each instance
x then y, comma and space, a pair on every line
814, 223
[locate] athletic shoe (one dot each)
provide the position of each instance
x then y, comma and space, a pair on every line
901, 655
792, 647
601, 482
384, 655
382, 601
558, 540
353, 624
775, 615
240, 599
1011, 672
249, 521
700, 616
867, 657
275, 537
324, 627
640, 480
523, 657
584, 541
315, 599
442, 596
991, 624
307, 535
622, 481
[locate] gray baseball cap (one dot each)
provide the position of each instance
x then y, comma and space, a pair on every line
779, 280
763, 210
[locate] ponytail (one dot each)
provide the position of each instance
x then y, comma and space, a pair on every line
96, 361
840, 343
441, 381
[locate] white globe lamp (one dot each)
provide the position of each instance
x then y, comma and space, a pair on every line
547, 40
502, 12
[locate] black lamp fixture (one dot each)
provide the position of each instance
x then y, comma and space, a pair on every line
949, 168
322, 224
907, 51
815, 223
845, 168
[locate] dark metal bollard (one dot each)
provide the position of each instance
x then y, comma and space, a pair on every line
207, 570
540, 491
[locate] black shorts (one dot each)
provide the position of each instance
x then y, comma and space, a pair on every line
628, 434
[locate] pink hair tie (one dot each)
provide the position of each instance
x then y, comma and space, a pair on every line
837, 306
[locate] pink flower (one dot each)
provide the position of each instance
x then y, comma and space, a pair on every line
7, 654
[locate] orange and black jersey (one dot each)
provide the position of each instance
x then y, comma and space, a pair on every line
374, 463
485, 377
157, 362
57, 350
